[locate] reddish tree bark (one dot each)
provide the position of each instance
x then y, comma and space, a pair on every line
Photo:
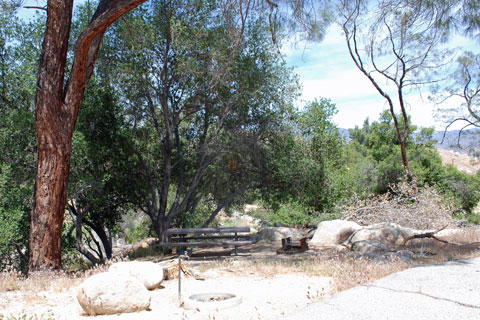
57, 107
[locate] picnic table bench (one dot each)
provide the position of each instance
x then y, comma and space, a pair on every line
207, 237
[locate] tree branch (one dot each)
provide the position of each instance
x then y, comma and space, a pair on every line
35, 7
225, 203
86, 49
432, 235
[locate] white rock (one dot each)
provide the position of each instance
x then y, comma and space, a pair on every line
148, 273
448, 233
112, 293
387, 233
278, 233
369, 246
333, 232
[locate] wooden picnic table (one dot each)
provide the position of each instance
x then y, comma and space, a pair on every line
207, 237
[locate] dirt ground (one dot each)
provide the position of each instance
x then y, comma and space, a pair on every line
463, 162
268, 284
263, 296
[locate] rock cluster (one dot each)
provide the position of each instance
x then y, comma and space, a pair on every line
378, 241
333, 232
124, 288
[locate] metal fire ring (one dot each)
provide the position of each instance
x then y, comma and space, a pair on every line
211, 301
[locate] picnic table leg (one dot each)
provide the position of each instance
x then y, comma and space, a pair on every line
236, 247
182, 250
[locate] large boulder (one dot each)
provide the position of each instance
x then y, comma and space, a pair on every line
386, 233
369, 246
148, 273
402, 255
333, 232
278, 233
112, 293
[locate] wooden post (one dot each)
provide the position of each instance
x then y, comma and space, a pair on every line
236, 247
180, 280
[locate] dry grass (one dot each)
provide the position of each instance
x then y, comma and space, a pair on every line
416, 210
346, 271
11, 280
344, 267
48, 281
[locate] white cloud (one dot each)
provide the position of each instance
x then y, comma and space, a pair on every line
327, 70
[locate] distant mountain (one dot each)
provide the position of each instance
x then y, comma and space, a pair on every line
469, 142
465, 142
344, 132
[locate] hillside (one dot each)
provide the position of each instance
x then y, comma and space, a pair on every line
463, 162
464, 142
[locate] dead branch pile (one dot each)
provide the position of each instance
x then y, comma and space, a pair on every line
417, 210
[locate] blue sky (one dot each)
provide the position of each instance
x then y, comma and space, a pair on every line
327, 70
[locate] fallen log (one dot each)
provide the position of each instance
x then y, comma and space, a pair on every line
432, 235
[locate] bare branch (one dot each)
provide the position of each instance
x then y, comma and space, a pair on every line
432, 235
35, 7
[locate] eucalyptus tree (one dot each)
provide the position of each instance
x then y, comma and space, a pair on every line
396, 45
202, 102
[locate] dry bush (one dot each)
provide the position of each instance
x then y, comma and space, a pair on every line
424, 209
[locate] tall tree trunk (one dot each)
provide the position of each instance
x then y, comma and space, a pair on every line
57, 108
160, 225
54, 141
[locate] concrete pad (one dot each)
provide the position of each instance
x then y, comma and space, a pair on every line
442, 291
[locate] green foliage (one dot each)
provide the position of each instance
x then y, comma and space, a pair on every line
307, 160
101, 187
19, 48
202, 101
102, 158
474, 218
464, 188
290, 214
140, 231
376, 164
135, 227
196, 218
375, 156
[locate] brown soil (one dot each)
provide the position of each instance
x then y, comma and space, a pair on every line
462, 162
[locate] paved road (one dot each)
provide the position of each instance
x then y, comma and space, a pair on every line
443, 291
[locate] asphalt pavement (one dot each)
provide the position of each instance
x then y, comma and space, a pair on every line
448, 290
